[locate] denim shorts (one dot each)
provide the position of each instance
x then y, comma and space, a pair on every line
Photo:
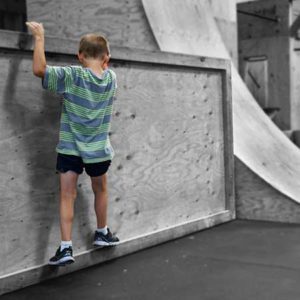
66, 162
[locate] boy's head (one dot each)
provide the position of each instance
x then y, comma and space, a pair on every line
93, 46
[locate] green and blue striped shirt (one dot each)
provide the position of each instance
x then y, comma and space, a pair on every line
86, 110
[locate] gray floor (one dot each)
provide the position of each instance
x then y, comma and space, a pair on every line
239, 260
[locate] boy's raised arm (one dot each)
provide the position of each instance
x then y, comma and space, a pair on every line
39, 59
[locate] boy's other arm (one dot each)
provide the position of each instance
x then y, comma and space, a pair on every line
39, 59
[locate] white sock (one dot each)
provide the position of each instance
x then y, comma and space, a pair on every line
65, 244
103, 230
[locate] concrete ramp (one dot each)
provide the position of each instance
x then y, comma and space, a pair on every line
188, 27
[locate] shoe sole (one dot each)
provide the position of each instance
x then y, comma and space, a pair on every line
105, 244
62, 262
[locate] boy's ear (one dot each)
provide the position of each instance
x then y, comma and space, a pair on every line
106, 59
80, 57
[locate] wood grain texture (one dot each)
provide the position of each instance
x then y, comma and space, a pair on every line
257, 200
167, 132
162, 146
122, 22
258, 142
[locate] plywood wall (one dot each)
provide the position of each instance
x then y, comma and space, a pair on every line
225, 9
258, 200
123, 22
225, 15
168, 136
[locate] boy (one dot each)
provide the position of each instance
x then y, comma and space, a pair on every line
88, 92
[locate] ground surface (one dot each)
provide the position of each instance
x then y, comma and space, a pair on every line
238, 260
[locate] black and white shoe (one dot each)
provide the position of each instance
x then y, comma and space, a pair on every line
105, 240
62, 258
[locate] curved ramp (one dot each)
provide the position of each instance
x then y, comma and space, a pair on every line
188, 27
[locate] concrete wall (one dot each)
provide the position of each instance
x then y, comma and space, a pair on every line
172, 173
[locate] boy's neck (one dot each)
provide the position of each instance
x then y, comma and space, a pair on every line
94, 65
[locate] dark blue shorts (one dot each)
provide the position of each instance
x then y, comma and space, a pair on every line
66, 162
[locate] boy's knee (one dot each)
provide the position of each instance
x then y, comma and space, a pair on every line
69, 194
99, 186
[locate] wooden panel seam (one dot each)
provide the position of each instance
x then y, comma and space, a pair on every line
23, 41
228, 142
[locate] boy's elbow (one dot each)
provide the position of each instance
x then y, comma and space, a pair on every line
39, 72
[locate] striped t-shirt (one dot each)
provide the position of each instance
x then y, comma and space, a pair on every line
86, 110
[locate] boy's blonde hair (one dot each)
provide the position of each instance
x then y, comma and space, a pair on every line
94, 45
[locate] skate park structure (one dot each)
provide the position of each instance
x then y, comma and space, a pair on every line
259, 146
170, 108
173, 174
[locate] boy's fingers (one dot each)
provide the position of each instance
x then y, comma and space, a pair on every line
35, 28
34, 24
38, 24
28, 24
31, 26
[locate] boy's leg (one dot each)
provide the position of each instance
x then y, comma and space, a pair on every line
68, 193
99, 186
97, 172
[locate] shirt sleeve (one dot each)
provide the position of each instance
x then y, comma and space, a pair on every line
57, 79
114, 79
